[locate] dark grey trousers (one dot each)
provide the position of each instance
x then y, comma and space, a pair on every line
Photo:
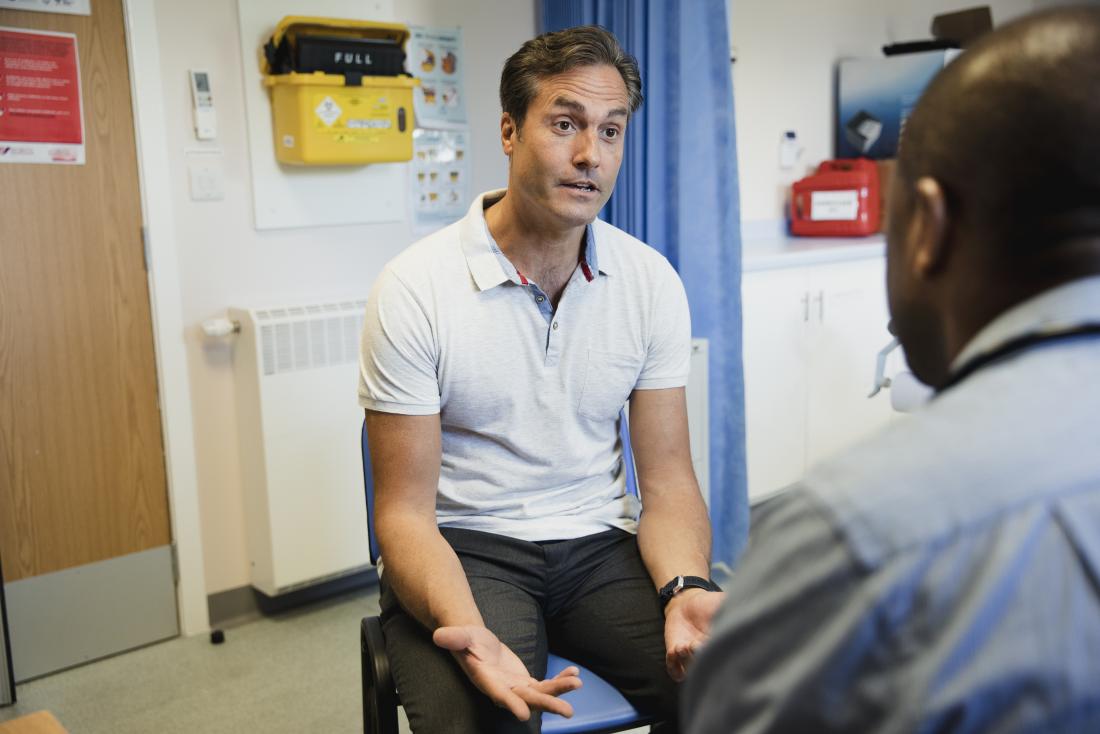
588, 599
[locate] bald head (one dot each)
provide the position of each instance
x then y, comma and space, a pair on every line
1011, 130
997, 195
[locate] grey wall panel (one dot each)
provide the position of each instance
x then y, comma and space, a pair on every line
62, 619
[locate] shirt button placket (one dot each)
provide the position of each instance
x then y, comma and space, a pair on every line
552, 345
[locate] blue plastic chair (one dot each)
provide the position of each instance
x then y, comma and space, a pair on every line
597, 706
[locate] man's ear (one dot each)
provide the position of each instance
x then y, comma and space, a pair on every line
928, 227
508, 133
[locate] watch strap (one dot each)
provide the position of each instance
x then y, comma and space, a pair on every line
678, 584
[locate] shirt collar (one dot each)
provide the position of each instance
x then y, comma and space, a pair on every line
477, 244
1054, 310
591, 257
488, 265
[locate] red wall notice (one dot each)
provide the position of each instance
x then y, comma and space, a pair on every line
40, 101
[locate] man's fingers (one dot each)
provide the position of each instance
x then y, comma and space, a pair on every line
504, 697
679, 652
677, 658
509, 699
519, 699
559, 684
544, 702
674, 667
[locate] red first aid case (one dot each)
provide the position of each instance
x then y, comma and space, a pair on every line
841, 199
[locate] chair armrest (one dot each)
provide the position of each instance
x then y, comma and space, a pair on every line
379, 695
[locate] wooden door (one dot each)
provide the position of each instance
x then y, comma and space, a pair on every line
82, 477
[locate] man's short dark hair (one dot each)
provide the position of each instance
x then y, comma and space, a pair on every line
560, 51
1009, 129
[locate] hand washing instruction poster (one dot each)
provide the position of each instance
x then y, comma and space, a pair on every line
440, 178
435, 58
41, 119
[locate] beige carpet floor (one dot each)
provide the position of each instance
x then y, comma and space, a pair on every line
295, 673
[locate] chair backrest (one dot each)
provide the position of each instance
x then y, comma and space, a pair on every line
368, 480
628, 454
368, 485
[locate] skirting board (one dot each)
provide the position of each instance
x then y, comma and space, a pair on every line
244, 603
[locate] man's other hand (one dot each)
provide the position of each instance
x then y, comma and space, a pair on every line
687, 626
500, 674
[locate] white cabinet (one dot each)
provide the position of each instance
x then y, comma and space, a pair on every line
811, 335
775, 309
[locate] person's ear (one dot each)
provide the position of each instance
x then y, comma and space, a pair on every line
928, 227
508, 133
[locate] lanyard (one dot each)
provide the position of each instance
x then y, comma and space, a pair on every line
1019, 344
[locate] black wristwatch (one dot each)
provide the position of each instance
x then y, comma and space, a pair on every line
678, 584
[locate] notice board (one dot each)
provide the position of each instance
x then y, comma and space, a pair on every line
41, 111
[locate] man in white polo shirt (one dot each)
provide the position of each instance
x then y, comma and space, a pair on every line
497, 357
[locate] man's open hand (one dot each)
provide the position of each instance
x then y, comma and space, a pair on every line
500, 674
687, 626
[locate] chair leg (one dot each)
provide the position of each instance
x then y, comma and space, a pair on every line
379, 695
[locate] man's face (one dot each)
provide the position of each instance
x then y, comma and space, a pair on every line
564, 160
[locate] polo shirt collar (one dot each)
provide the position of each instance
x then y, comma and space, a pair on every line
477, 245
483, 256
591, 258
1058, 309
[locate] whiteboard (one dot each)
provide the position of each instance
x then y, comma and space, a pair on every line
310, 196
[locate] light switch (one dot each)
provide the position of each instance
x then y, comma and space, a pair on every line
207, 178
789, 149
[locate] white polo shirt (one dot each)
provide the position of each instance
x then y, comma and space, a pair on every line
528, 397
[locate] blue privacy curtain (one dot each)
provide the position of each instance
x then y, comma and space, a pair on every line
677, 191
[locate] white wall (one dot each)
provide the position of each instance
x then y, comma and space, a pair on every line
225, 262
783, 77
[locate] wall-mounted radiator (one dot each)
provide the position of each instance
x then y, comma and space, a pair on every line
298, 425
298, 419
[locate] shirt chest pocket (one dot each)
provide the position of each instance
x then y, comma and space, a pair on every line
609, 378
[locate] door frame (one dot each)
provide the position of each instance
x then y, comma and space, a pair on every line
174, 387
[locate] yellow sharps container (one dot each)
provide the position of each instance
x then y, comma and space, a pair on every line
339, 91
